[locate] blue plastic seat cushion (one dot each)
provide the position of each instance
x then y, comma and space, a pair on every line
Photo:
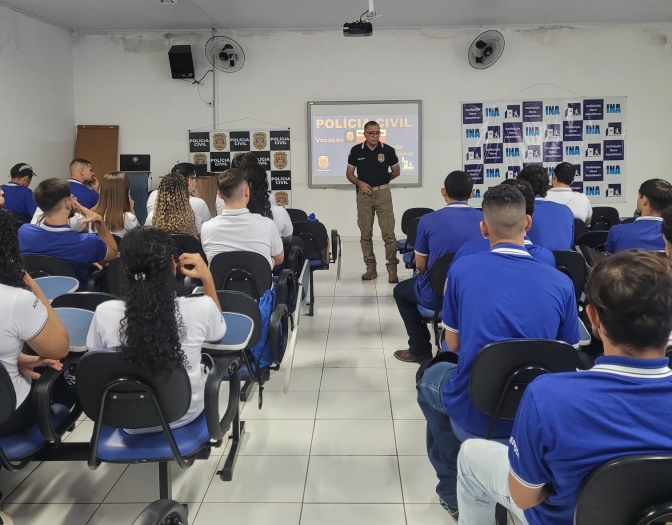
401, 243
30, 440
118, 446
409, 257
426, 312
463, 435
316, 262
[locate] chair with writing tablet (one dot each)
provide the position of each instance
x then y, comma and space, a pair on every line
437, 281
406, 218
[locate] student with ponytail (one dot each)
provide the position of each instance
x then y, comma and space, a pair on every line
152, 327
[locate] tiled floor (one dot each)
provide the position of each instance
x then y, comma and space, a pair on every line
344, 446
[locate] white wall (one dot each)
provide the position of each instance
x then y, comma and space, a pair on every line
125, 80
37, 108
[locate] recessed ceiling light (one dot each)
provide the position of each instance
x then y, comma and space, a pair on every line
167, 1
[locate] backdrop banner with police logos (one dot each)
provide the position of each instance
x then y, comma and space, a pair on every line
499, 138
216, 148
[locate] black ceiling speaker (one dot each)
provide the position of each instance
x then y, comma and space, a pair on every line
181, 62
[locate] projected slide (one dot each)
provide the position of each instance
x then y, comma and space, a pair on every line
335, 127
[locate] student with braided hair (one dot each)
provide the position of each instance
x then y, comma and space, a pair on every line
172, 212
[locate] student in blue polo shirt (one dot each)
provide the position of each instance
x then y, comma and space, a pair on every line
483, 245
569, 424
54, 237
501, 294
439, 232
553, 225
644, 233
18, 198
83, 183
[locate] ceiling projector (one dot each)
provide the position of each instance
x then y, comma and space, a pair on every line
363, 26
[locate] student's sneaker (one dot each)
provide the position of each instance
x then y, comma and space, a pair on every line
455, 514
5, 519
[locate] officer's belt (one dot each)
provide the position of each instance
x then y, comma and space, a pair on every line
378, 188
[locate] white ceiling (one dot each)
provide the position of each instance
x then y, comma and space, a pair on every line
129, 15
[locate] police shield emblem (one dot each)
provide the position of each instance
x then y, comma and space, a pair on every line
350, 136
280, 160
381, 157
323, 162
259, 140
219, 141
282, 198
200, 158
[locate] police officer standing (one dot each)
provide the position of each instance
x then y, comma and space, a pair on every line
377, 164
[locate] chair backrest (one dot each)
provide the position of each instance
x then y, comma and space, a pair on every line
594, 239
188, 244
412, 232
118, 240
7, 396
579, 229
631, 490
19, 218
82, 300
604, 217
240, 303
315, 238
45, 266
114, 277
128, 404
628, 220
297, 215
410, 214
592, 256
246, 272
574, 265
438, 272
502, 370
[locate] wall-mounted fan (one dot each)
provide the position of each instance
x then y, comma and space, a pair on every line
486, 49
225, 54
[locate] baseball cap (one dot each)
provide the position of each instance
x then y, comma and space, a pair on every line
21, 170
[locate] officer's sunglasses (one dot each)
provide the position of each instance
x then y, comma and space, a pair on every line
373, 133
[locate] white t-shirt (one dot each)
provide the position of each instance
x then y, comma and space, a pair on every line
130, 222
280, 216
23, 318
241, 231
150, 219
197, 204
577, 202
75, 222
203, 323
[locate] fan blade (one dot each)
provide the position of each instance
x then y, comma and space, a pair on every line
480, 44
228, 46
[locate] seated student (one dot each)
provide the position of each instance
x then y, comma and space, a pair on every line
667, 237
553, 225
483, 245
439, 232
27, 317
562, 193
188, 171
644, 233
240, 160
54, 237
236, 229
173, 212
83, 183
115, 205
151, 327
18, 198
262, 203
490, 296
569, 424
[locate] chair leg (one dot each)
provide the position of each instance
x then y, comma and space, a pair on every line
246, 390
238, 430
311, 310
165, 481
501, 515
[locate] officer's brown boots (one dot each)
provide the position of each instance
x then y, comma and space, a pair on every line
370, 274
392, 274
